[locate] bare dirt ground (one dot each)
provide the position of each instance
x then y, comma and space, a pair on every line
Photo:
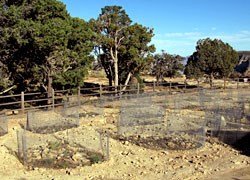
128, 161
215, 160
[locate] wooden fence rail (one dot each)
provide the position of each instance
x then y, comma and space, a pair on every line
28, 101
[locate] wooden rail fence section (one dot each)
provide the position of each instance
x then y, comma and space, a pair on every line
27, 101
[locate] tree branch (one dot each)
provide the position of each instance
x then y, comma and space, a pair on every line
127, 80
119, 41
111, 53
14, 86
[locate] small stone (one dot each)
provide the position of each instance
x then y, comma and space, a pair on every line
126, 143
15, 112
171, 145
164, 153
191, 161
49, 176
217, 169
41, 170
237, 162
125, 153
170, 159
154, 158
200, 163
183, 144
77, 157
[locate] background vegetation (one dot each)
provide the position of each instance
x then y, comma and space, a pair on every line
43, 47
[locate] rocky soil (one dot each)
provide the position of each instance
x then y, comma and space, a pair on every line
129, 159
214, 160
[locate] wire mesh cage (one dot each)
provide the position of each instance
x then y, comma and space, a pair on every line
3, 125
230, 114
186, 127
52, 121
65, 149
163, 121
140, 116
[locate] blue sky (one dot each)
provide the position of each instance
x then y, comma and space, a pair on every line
179, 24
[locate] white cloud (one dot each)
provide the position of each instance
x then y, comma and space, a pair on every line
171, 43
184, 43
213, 28
181, 34
245, 32
242, 36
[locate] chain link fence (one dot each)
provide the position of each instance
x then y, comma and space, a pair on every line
3, 125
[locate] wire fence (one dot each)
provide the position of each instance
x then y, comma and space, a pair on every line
230, 115
48, 121
156, 120
23, 102
182, 121
64, 149
162, 121
3, 125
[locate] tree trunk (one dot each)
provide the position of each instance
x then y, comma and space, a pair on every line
127, 81
110, 78
116, 74
157, 80
114, 56
49, 87
211, 80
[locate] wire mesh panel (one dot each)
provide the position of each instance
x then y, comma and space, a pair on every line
163, 121
51, 121
186, 122
21, 145
3, 125
65, 149
140, 116
90, 107
231, 120
71, 111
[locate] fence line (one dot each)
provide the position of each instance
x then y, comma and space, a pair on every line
23, 103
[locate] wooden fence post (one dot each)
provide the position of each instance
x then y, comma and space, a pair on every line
154, 86
100, 91
224, 83
79, 95
67, 95
185, 85
120, 94
53, 99
138, 88
170, 87
22, 102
